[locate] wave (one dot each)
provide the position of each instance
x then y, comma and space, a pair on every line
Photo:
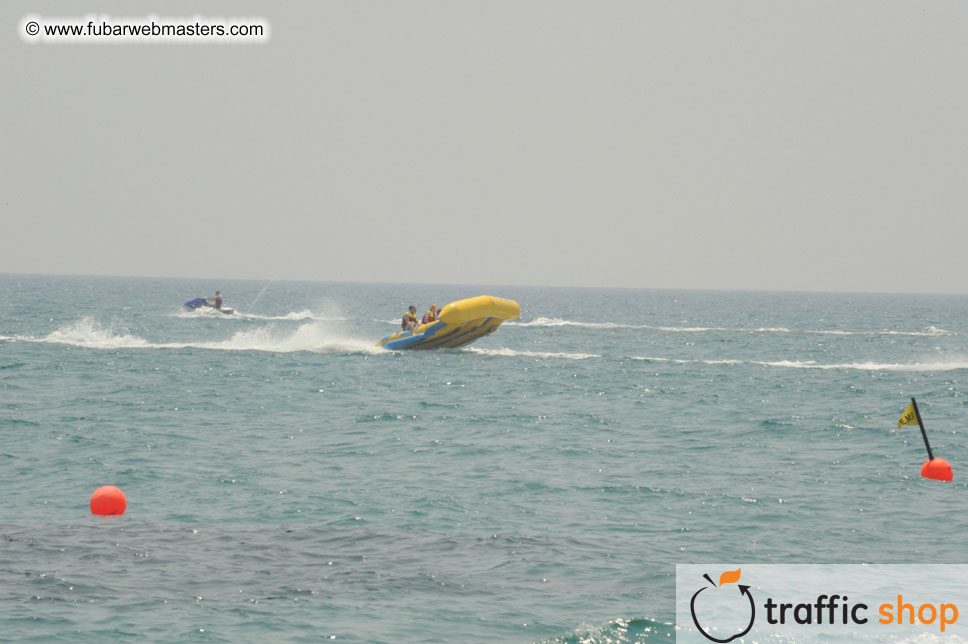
929, 331
531, 354
686, 361
870, 366
89, 334
294, 316
311, 337
201, 312
315, 336
619, 631
812, 364
560, 322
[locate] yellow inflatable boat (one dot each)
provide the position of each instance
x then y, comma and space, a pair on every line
459, 323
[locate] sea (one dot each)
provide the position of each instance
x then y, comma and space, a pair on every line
289, 481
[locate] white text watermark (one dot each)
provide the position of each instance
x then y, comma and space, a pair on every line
151, 29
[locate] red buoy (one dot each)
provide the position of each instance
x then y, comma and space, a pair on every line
109, 500
937, 469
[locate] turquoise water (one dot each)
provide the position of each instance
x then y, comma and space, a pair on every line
287, 481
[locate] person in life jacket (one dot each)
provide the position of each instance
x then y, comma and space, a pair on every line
430, 315
410, 320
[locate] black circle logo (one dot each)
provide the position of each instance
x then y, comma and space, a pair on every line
727, 577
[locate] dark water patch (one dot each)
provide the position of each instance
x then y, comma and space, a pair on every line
385, 417
19, 423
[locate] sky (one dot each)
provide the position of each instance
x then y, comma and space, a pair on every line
769, 145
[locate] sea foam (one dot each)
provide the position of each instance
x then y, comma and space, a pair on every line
311, 336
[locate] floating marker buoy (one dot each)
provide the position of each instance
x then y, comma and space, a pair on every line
933, 468
937, 469
108, 500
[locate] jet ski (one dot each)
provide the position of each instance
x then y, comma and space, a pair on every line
202, 303
459, 323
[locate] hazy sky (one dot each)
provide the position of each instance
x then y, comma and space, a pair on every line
742, 145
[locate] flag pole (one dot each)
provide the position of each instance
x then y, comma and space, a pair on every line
924, 434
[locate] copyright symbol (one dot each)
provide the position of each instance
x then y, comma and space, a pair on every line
32, 28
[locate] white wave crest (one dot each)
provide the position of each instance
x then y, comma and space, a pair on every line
680, 361
202, 312
558, 322
954, 365
871, 366
89, 334
294, 316
312, 337
929, 331
531, 354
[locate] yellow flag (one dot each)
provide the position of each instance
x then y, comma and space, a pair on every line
908, 417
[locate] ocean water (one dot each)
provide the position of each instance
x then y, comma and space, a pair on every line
288, 481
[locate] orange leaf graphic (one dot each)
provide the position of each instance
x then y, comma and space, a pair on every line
729, 577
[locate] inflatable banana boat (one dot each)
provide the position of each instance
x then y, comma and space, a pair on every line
459, 323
